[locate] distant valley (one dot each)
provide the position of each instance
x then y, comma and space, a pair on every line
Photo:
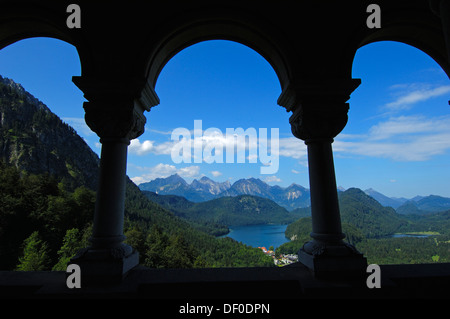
49, 177
291, 197
216, 215
294, 198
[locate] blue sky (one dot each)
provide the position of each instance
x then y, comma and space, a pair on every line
397, 140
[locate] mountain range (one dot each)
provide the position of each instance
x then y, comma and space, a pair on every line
169, 231
291, 197
360, 213
416, 205
227, 211
36, 144
33, 140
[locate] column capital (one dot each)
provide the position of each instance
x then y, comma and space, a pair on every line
109, 122
319, 108
115, 107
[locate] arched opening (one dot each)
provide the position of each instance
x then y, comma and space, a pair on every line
226, 86
220, 26
48, 171
394, 148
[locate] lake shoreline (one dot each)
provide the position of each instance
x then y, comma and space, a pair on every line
411, 235
261, 235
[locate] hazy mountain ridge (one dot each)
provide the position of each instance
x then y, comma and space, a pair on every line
415, 205
374, 220
291, 197
385, 200
366, 213
36, 141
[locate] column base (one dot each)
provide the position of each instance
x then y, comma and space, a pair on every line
333, 261
105, 266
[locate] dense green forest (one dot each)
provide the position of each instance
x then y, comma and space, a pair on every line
142, 215
369, 227
36, 211
179, 205
43, 224
47, 177
35, 140
214, 216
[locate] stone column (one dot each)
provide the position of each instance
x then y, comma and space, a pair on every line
107, 230
326, 224
116, 115
319, 114
442, 9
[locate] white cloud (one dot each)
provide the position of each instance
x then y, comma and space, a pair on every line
295, 171
213, 142
304, 163
406, 125
216, 173
164, 170
401, 138
292, 147
147, 146
404, 138
139, 148
272, 179
414, 93
189, 172
157, 131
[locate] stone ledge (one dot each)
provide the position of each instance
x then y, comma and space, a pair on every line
293, 282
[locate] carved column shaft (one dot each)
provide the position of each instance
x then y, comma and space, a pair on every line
319, 114
326, 224
317, 124
115, 113
107, 230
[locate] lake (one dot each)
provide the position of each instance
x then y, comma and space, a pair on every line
408, 235
259, 235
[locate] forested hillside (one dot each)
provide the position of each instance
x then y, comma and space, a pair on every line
372, 228
48, 180
42, 209
226, 211
145, 217
368, 215
34, 139
42, 225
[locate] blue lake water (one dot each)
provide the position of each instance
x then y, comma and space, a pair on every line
408, 235
259, 235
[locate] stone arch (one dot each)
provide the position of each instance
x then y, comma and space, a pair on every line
437, 53
422, 30
238, 29
20, 23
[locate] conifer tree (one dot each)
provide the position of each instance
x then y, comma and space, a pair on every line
179, 254
71, 245
156, 243
35, 254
